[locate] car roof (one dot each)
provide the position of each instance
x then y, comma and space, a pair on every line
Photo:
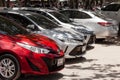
31, 8
115, 3
17, 12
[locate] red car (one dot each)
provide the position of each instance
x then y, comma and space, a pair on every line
25, 53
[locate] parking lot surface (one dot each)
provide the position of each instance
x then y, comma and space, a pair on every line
101, 62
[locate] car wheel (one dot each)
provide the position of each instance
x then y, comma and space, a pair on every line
9, 67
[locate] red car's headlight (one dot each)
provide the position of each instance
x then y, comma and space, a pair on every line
34, 48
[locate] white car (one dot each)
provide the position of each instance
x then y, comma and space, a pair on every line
102, 26
112, 11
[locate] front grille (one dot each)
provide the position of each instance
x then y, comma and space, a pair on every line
52, 64
77, 51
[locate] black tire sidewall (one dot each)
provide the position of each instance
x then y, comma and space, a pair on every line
17, 67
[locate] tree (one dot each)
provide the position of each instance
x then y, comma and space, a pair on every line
89, 4
2, 3
8, 3
73, 3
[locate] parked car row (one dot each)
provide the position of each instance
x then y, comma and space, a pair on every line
67, 39
41, 39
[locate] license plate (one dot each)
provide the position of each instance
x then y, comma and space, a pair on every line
60, 61
83, 48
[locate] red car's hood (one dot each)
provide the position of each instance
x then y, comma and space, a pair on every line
36, 40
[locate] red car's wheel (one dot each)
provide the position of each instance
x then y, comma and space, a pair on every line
9, 67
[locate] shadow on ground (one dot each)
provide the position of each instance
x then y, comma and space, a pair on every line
78, 60
109, 42
55, 76
98, 71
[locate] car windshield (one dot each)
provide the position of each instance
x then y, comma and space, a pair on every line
8, 27
61, 17
43, 21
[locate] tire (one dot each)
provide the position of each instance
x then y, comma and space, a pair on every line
10, 65
119, 30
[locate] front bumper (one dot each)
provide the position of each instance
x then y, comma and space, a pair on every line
54, 65
41, 64
110, 32
74, 50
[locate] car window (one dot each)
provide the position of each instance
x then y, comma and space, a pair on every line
23, 21
44, 14
79, 15
76, 14
6, 27
48, 16
43, 21
66, 13
111, 7
61, 17
20, 19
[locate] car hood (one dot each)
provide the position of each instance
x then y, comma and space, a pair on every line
75, 34
61, 30
36, 40
68, 30
65, 30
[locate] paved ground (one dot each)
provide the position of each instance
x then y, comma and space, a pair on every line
101, 62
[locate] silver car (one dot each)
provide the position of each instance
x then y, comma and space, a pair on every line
63, 21
70, 41
102, 26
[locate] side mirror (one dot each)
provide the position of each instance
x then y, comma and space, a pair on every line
30, 27
72, 20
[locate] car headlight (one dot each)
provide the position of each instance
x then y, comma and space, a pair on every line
34, 48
